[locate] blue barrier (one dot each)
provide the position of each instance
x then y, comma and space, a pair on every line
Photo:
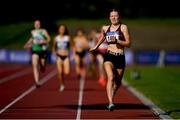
146, 57
19, 56
129, 57
138, 57
172, 57
3, 55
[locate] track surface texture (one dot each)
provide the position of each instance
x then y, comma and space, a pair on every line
81, 99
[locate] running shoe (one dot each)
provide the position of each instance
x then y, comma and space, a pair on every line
38, 85
81, 78
111, 107
102, 82
61, 89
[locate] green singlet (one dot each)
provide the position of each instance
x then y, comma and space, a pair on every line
38, 35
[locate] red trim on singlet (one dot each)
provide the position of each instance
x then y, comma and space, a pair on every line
121, 35
109, 29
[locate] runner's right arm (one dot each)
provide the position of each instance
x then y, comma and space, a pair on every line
28, 44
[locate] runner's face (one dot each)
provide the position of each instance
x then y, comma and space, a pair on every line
93, 33
61, 30
37, 24
114, 17
79, 33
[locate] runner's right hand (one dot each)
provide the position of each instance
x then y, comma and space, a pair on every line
92, 49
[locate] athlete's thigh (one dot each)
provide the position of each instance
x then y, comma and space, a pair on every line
43, 61
119, 74
77, 59
43, 58
59, 64
66, 64
91, 57
84, 60
109, 68
100, 58
35, 59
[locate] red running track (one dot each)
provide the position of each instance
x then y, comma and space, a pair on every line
80, 100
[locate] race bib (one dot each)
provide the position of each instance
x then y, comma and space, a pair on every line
111, 35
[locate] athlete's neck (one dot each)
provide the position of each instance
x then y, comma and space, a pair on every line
115, 25
61, 34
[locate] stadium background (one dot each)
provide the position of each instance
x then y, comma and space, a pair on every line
154, 26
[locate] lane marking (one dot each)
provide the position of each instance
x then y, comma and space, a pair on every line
81, 88
15, 75
32, 88
158, 111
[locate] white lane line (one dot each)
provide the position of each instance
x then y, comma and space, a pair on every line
32, 88
81, 88
158, 111
15, 75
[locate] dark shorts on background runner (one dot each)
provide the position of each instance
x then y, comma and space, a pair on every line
62, 57
118, 60
41, 54
96, 52
81, 54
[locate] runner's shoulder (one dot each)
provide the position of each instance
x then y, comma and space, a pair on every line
124, 27
43, 30
105, 28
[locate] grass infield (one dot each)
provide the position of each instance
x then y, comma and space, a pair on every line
161, 85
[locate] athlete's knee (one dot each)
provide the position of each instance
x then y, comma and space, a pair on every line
110, 77
43, 64
66, 72
60, 73
78, 63
118, 82
34, 65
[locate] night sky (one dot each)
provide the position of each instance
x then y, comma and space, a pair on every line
16, 10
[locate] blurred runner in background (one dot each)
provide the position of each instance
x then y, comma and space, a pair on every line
61, 47
80, 47
38, 43
97, 56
